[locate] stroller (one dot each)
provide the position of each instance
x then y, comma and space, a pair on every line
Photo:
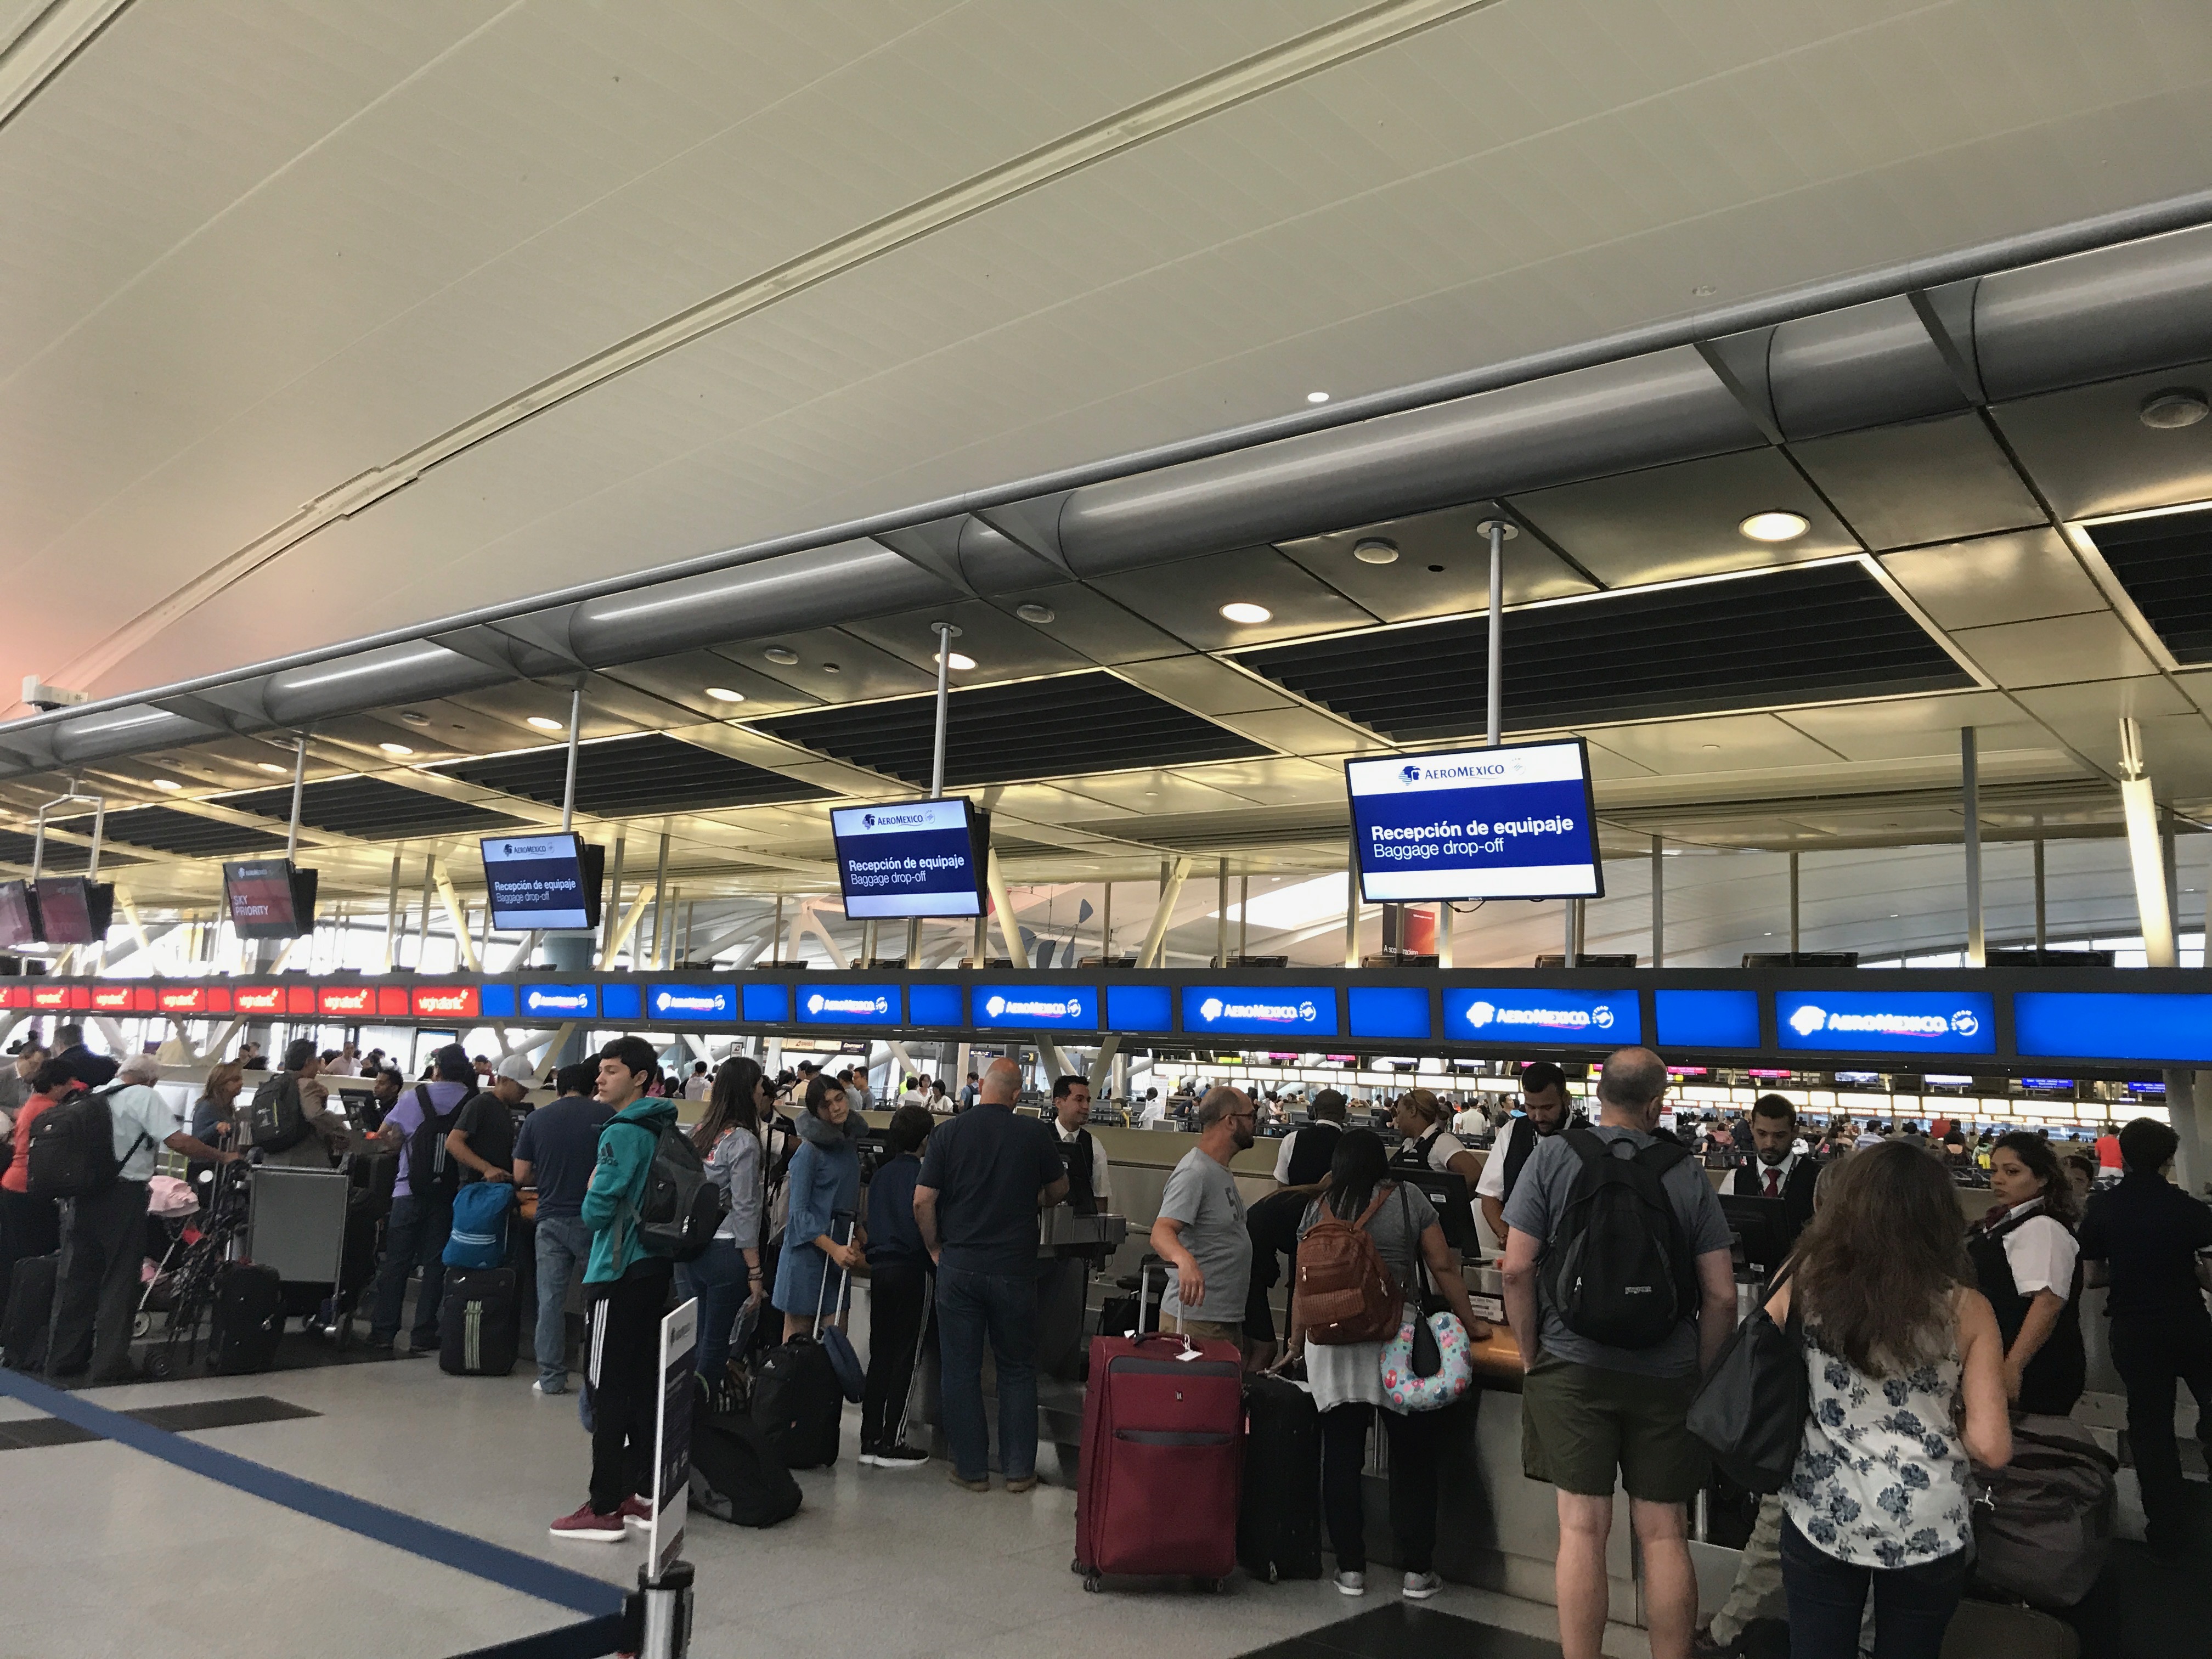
170, 1207
184, 1287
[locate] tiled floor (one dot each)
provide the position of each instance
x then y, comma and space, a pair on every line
1402, 1631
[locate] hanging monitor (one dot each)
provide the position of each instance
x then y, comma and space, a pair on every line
549, 882
914, 857
1513, 822
19, 914
269, 898
75, 911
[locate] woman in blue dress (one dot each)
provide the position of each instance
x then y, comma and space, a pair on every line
824, 1187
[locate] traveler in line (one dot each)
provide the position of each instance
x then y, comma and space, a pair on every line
482, 1140
1897, 1342
214, 1113
2081, 1176
1090, 1177
16, 1079
94, 1070
986, 1176
1306, 1152
626, 1290
1775, 1170
556, 1153
384, 1085
969, 1092
698, 1085
104, 1233
2028, 1265
726, 1278
1543, 1112
1200, 1232
1425, 1123
856, 1088
825, 1190
30, 1226
325, 1135
898, 1292
1347, 1378
422, 1216
2146, 1234
1590, 1409
2112, 1162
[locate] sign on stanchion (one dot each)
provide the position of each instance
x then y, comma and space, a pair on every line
665, 1581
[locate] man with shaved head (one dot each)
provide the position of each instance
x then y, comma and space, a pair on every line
984, 1177
1200, 1232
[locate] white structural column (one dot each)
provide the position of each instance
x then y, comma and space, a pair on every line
1658, 904
1352, 906
2146, 857
1970, 807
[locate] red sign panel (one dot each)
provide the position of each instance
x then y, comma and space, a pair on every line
348, 999
50, 996
184, 999
113, 999
14, 996
299, 998
392, 999
445, 1001
260, 999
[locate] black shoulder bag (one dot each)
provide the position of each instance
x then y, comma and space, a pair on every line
1750, 1410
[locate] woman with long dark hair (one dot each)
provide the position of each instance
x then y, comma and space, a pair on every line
726, 1278
1907, 1379
825, 1183
2027, 1263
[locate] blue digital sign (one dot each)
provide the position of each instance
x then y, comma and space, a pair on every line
1887, 1022
1139, 1008
766, 1004
688, 1002
1516, 1014
1707, 1019
620, 999
1034, 1008
2140, 1026
1390, 1010
559, 1001
1512, 821
496, 1001
849, 1005
936, 1004
914, 857
1260, 1009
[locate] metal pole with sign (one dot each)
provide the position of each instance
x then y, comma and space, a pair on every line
664, 1582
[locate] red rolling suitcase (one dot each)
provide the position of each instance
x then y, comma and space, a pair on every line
1162, 1459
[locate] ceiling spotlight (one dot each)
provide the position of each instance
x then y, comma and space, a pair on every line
831, 668
1775, 526
271, 766
1376, 550
723, 694
167, 783
1317, 396
395, 748
2177, 406
960, 662
413, 718
1039, 614
782, 656
546, 723
1250, 614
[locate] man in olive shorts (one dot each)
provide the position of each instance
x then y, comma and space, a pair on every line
1587, 1410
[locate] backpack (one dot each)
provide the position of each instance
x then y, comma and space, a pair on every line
2043, 1523
478, 1238
1617, 1268
1345, 1293
72, 1150
275, 1116
432, 1171
736, 1474
680, 1208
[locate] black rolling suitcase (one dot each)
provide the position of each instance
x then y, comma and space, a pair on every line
30, 1313
1279, 1518
248, 1318
478, 1326
798, 1404
736, 1476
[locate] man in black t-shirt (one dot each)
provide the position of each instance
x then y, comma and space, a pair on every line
483, 1138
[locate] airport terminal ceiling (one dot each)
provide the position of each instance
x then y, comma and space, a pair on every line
705, 366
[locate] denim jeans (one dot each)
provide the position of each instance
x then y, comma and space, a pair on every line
1912, 1605
564, 1249
718, 1279
414, 1236
1001, 1307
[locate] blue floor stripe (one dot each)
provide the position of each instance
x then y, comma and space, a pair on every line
510, 1569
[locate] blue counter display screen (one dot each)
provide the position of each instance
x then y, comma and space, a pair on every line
619, 999
1513, 822
1260, 1009
1139, 1008
1035, 1007
1887, 1022
2101, 1025
935, 1006
1390, 1010
1496, 1014
1708, 1019
559, 1001
496, 1001
766, 1004
849, 1005
915, 858
682, 1003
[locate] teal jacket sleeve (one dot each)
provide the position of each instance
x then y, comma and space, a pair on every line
624, 1153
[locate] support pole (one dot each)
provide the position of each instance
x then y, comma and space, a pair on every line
1156, 939
1351, 905
1106, 928
946, 633
1009, 929
1499, 533
775, 933
2042, 929
1444, 933
422, 933
607, 946
569, 786
1970, 803
1243, 917
1658, 904
392, 919
660, 904
1795, 935
2144, 856
463, 943
1221, 914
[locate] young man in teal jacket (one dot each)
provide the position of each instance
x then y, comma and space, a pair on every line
626, 1290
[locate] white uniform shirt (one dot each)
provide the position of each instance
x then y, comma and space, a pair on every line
2041, 1253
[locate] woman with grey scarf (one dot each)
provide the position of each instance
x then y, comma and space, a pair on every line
824, 1184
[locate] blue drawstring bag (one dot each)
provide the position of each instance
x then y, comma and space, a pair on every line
479, 1235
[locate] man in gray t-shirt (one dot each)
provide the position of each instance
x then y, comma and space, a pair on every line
1201, 1231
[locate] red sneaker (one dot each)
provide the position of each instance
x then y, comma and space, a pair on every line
636, 1511
591, 1528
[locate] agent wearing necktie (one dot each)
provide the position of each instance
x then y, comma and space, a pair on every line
1777, 1170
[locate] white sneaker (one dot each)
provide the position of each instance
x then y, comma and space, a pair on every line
1351, 1583
539, 1387
1420, 1586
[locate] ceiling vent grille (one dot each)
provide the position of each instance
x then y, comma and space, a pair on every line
370, 809
164, 830
2166, 566
1791, 636
1061, 727
62, 859
627, 777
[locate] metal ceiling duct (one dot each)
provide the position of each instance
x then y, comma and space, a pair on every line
2124, 310
375, 680
125, 732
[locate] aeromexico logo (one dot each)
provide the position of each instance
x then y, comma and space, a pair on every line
895, 820
1410, 773
1276, 1013
998, 1007
690, 1002
1480, 1016
817, 1003
539, 1001
1810, 1018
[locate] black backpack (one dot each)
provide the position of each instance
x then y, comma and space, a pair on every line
72, 1149
432, 1171
274, 1117
736, 1474
1617, 1268
680, 1208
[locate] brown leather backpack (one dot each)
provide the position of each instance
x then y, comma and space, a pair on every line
1345, 1293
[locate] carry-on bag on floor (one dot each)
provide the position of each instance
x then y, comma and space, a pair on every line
736, 1476
30, 1312
1278, 1526
1162, 1459
478, 1326
248, 1318
2043, 1523
799, 1403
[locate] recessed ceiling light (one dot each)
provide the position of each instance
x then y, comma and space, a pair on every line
395, 748
167, 783
1039, 614
1251, 615
414, 719
1775, 526
781, 655
2177, 406
960, 662
1712, 747
831, 668
546, 723
723, 694
1374, 550
271, 766
1317, 396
